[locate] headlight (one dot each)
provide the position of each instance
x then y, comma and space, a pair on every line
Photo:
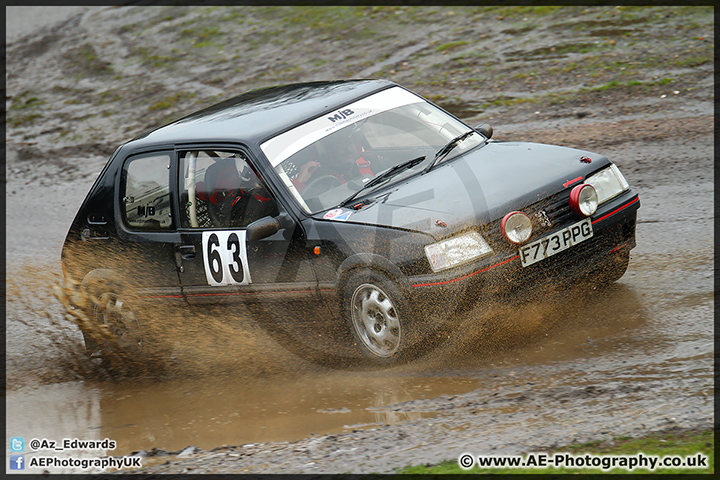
455, 251
583, 200
608, 183
516, 227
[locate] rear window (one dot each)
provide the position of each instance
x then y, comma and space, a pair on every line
145, 192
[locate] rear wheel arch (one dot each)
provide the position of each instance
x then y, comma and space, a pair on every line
101, 280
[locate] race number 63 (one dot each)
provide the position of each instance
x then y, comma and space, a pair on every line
225, 258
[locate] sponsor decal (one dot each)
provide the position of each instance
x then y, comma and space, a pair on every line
343, 217
570, 182
286, 144
341, 115
338, 214
332, 213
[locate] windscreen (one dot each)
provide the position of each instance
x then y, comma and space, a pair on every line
330, 158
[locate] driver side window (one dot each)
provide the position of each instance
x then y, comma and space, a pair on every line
220, 189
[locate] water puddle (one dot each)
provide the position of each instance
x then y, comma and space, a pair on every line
209, 412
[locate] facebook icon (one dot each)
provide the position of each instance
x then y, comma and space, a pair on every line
17, 462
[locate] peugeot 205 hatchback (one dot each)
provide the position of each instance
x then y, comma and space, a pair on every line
355, 202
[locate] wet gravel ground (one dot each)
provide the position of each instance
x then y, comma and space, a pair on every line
634, 358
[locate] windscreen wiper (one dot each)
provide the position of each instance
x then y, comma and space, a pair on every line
381, 177
442, 153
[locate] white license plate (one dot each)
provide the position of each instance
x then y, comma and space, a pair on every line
557, 242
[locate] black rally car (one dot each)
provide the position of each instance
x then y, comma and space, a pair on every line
356, 202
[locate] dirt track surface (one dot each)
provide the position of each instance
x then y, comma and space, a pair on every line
635, 84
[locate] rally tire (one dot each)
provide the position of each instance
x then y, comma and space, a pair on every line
379, 318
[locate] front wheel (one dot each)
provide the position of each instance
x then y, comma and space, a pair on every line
379, 317
376, 320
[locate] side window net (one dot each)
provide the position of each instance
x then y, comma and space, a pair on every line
146, 192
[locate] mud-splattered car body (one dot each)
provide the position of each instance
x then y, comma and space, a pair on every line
241, 203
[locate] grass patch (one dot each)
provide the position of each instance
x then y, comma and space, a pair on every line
24, 100
557, 98
86, 59
171, 101
508, 101
683, 444
21, 109
332, 22
693, 61
556, 50
523, 11
595, 66
518, 31
629, 84
150, 57
451, 45
202, 36
23, 120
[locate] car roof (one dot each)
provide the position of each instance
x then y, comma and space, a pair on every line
258, 114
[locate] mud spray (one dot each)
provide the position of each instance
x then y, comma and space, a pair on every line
48, 345
237, 340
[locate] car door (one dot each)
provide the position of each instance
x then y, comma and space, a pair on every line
220, 194
143, 252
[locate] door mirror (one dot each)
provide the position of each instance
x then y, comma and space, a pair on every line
485, 130
267, 226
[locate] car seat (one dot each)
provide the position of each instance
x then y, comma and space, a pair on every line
222, 191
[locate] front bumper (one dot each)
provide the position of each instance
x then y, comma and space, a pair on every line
613, 235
